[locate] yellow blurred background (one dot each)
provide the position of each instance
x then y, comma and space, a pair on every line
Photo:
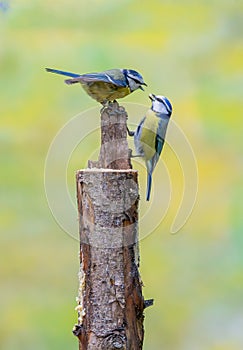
191, 52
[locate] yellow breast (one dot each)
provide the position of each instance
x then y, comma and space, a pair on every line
101, 91
148, 135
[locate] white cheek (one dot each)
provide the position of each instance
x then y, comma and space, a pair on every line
159, 107
132, 84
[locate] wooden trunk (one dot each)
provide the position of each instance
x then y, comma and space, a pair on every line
110, 302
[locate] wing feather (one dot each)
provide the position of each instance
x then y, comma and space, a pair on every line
97, 77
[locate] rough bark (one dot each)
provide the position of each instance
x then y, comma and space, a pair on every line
110, 302
114, 151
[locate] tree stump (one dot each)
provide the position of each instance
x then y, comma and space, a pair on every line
110, 302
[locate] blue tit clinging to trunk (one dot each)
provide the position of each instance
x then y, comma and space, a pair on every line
106, 86
149, 136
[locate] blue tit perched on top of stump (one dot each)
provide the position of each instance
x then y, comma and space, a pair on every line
106, 86
149, 136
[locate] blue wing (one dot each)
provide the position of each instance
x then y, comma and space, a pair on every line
159, 143
137, 136
97, 77
68, 74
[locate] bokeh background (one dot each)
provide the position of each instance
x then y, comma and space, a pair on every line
191, 51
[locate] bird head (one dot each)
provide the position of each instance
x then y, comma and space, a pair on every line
135, 80
161, 104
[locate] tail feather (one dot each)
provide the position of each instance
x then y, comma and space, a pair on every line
149, 183
68, 74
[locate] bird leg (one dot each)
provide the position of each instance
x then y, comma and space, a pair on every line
130, 155
106, 104
131, 133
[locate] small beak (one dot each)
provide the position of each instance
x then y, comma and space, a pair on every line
152, 97
140, 87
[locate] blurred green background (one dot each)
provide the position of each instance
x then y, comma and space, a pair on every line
193, 53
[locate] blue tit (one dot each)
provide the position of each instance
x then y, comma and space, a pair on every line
106, 86
149, 136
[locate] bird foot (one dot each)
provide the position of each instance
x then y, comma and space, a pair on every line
130, 133
130, 155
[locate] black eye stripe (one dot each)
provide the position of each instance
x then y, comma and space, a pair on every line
135, 79
164, 103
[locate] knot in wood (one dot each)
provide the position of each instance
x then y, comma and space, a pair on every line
114, 341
